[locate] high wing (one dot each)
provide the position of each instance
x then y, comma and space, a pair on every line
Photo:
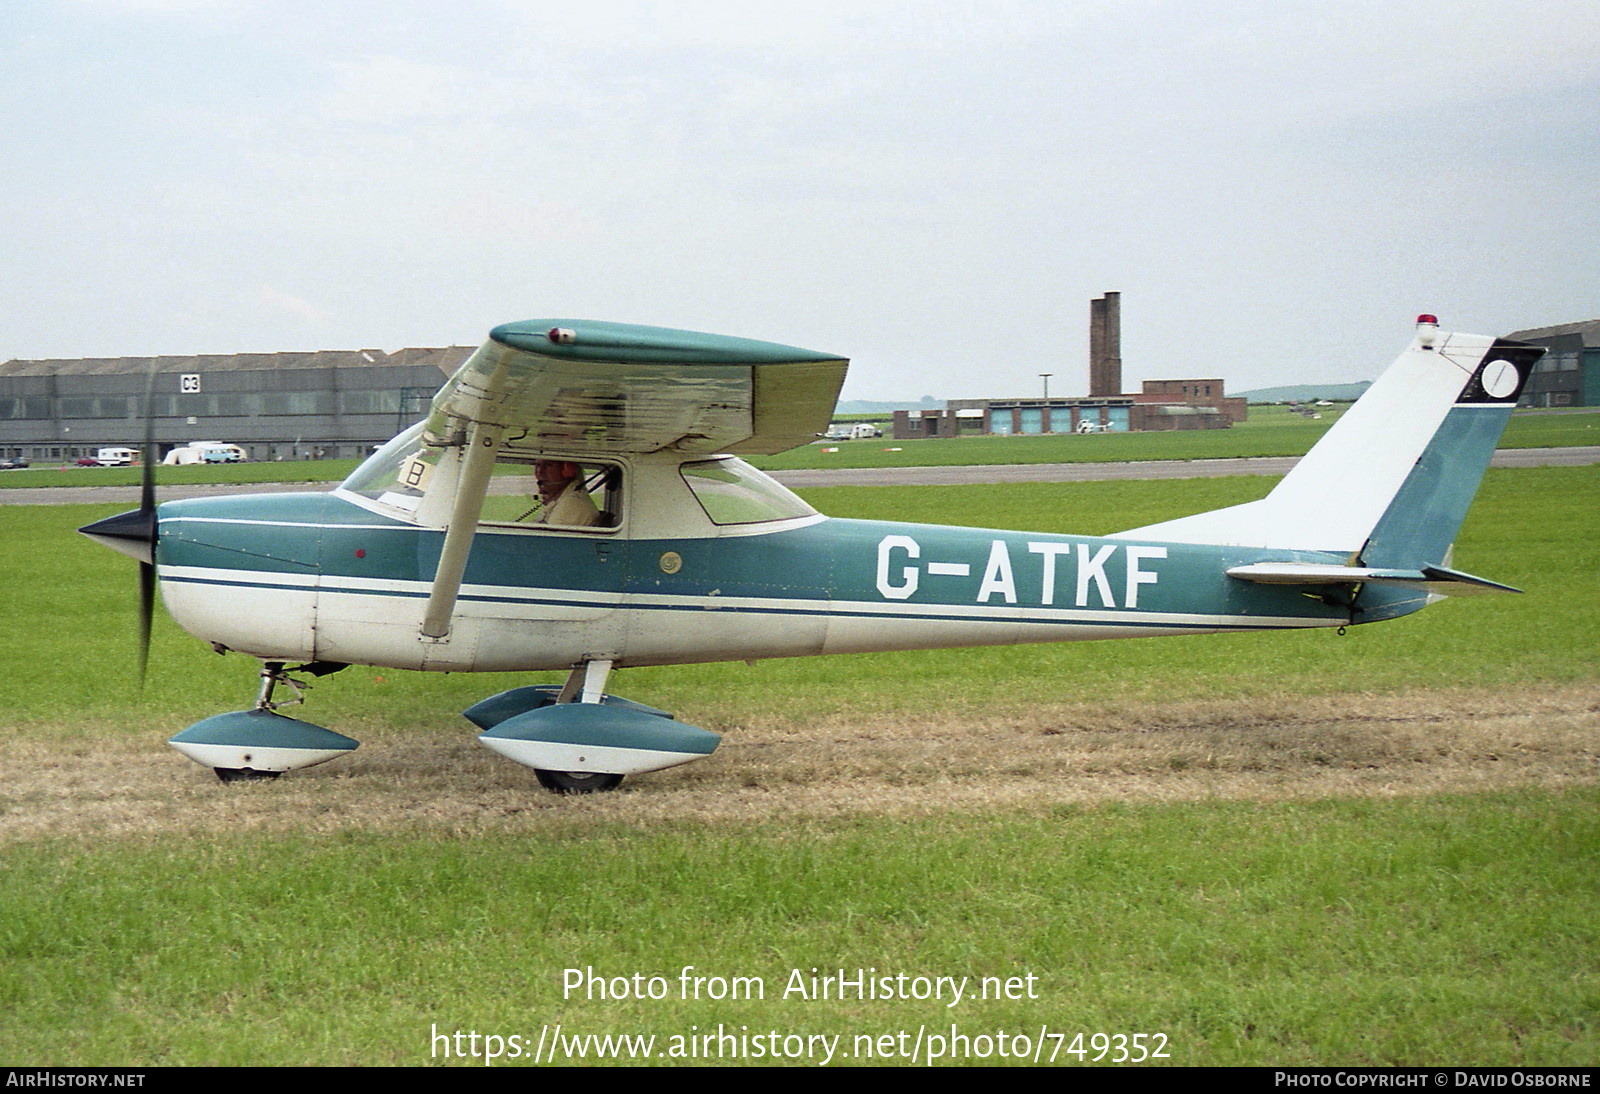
577, 387
582, 386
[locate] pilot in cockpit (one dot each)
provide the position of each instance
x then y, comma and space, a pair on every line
566, 501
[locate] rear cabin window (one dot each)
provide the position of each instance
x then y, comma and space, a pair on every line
733, 492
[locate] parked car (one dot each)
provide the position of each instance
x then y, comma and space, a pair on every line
12, 463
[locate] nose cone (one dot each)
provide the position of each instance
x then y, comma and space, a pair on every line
133, 533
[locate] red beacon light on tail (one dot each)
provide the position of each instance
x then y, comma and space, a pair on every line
1427, 330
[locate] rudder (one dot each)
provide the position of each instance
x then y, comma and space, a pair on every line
1420, 525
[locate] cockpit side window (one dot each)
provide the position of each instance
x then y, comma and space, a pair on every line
554, 493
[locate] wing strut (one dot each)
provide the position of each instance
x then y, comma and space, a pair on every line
483, 444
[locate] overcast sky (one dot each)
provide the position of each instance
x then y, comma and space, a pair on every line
935, 190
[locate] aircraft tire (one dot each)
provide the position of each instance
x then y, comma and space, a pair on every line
244, 774
576, 782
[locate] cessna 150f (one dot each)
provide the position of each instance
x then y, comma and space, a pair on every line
575, 500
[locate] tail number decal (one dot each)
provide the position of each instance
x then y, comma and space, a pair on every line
1083, 568
897, 586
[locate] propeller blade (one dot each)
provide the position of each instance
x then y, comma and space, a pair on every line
147, 606
147, 472
147, 511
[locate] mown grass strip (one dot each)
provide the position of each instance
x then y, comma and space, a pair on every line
1439, 931
1268, 434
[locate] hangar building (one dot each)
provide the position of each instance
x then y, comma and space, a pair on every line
1569, 374
276, 406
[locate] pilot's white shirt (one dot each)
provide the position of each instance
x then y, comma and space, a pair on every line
573, 507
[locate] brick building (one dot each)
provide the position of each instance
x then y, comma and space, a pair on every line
1161, 404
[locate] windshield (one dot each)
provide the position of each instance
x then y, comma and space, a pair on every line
396, 474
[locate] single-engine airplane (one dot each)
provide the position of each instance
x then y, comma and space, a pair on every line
575, 500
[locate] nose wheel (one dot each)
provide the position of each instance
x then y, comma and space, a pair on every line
259, 744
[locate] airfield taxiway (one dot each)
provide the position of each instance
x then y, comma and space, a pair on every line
864, 476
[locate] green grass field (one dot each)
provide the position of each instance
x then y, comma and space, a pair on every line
1534, 529
1445, 930
344, 918
284, 471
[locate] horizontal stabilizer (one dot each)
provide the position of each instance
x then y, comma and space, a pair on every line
1435, 579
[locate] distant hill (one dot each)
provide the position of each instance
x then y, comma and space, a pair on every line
1303, 393
1291, 393
868, 406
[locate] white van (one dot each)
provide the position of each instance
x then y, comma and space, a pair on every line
204, 452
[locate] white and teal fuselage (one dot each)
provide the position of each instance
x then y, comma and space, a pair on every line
332, 577
1344, 538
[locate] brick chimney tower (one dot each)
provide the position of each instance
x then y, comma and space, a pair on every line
1105, 345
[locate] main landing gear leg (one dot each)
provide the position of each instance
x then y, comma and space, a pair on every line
578, 739
585, 684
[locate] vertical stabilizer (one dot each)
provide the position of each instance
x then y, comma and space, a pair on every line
1420, 524
1398, 469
